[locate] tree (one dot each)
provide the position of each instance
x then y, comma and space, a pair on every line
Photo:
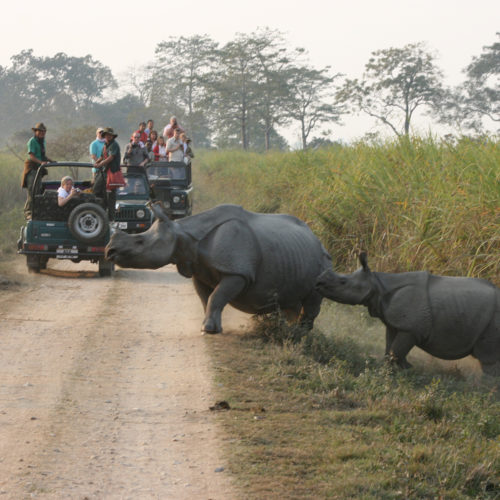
61, 89
396, 82
477, 101
274, 60
178, 81
48, 81
310, 93
232, 90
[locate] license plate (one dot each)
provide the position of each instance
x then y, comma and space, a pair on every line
66, 253
122, 225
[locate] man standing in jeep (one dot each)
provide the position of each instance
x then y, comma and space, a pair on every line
36, 158
110, 160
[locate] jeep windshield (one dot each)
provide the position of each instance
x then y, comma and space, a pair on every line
160, 172
136, 186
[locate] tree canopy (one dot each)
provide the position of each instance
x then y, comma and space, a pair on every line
242, 93
396, 82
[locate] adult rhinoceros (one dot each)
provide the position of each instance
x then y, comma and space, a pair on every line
255, 262
448, 317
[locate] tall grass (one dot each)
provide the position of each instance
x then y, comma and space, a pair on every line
412, 204
12, 199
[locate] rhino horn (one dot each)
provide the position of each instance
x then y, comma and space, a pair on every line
363, 259
157, 208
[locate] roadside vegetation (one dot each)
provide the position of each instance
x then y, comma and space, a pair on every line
12, 199
320, 414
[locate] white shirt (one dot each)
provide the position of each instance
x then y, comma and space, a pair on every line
177, 155
62, 193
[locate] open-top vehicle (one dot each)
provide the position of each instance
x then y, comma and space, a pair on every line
132, 214
171, 184
78, 231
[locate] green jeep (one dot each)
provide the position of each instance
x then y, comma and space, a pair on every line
77, 231
132, 214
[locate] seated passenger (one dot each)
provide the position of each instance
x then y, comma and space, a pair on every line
67, 191
160, 150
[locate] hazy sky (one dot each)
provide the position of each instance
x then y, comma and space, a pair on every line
340, 33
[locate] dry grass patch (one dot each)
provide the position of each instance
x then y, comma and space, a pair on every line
299, 428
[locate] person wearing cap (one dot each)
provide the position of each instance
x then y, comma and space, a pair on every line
96, 147
109, 160
188, 152
37, 158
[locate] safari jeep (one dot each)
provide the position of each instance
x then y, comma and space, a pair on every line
77, 231
131, 212
171, 184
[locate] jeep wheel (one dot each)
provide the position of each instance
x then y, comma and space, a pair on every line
106, 267
88, 223
33, 263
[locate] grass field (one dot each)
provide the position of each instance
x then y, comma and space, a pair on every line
322, 416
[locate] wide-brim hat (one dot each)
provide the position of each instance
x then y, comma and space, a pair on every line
109, 130
39, 126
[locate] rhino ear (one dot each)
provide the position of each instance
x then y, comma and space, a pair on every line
364, 261
157, 208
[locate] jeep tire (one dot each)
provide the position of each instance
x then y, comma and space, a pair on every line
88, 223
34, 263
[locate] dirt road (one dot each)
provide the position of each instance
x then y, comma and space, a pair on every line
105, 388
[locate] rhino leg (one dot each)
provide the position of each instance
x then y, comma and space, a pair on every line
228, 289
487, 351
311, 306
203, 291
390, 335
400, 347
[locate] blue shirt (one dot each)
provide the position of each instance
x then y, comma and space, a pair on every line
96, 148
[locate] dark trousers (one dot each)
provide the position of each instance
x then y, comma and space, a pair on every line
30, 181
99, 189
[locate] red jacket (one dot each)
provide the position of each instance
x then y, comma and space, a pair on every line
156, 151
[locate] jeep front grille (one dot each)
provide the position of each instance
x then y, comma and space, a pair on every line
129, 214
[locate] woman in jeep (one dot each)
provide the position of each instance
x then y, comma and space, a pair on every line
67, 191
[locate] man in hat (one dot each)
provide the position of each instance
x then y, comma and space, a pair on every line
36, 158
110, 160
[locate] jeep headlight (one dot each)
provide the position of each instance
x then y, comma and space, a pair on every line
176, 199
140, 214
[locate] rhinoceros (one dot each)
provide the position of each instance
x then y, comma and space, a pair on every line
448, 317
256, 262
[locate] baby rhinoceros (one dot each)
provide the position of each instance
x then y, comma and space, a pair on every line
447, 317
